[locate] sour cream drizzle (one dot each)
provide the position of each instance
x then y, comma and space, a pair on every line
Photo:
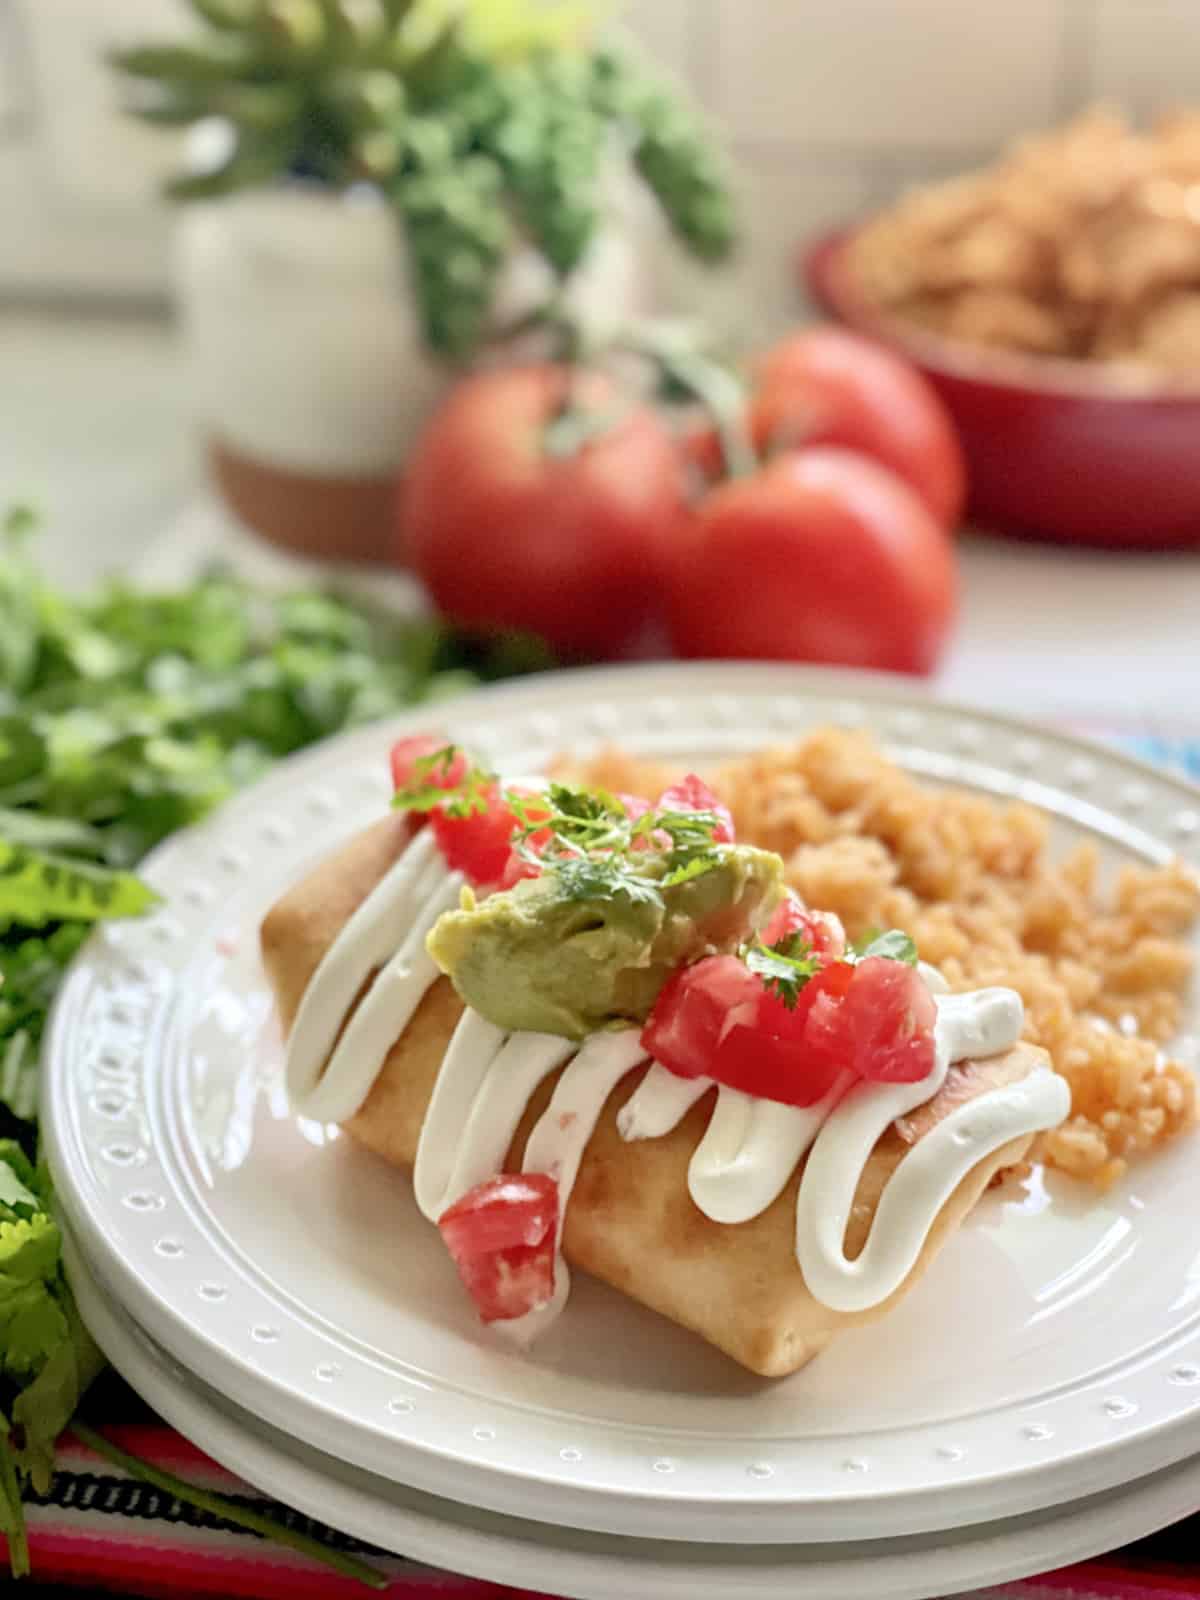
748, 1152
386, 934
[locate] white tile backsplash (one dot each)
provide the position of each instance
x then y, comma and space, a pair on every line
762, 293
1146, 53
780, 210
922, 73
669, 31
14, 87
96, 158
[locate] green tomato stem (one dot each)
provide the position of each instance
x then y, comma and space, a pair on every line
218, 1506
714, 386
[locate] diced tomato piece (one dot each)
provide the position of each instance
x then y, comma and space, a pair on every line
502, 1237
788, 917
478, 844
828, 934
693, 1007
406, 753
516, 866
892, 1014
717, 1019
769, 1058
693, 794
822, 929
635, 806
828, 1036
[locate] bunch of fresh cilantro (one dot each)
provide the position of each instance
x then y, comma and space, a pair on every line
124, 716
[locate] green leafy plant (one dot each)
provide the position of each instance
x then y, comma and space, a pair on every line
47, 1358
481, 121
124, 716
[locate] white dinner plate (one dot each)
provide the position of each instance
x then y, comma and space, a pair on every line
520, 1552
1052, 1351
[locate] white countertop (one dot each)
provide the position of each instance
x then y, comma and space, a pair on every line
94, 429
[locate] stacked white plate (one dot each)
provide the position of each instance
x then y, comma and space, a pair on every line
275, 1293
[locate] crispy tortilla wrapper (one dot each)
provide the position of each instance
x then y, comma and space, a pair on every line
631, 1220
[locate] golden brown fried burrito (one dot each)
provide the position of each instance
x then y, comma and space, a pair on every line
630, 1220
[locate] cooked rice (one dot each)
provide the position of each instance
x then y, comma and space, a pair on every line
1101, 969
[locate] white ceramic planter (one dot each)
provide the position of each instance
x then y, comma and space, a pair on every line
309, 375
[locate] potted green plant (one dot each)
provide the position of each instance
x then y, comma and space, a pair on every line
377, 187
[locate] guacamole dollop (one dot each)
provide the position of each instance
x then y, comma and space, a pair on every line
552, 956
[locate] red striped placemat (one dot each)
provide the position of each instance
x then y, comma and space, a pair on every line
102, 1528
111, 1533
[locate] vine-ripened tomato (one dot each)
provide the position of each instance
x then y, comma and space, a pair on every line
826, 386
502, 1235
509, 534
819, 556
829, 386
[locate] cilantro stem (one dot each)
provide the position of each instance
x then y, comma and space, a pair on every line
12, 1516
218, 1506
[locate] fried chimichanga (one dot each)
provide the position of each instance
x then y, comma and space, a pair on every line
630, 1220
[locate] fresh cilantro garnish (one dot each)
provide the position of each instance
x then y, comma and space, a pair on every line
895, 945
693, 866
687, 830
564, 825
690, 835
643, 855
419, 797
580, 819
431, 788
784, 967
604, 878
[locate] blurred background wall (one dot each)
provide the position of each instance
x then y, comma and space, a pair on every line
828, 104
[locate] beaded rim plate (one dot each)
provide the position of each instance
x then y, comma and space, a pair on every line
1052, 1351
594, 1566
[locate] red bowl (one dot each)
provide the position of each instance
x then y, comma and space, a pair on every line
1059, 450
